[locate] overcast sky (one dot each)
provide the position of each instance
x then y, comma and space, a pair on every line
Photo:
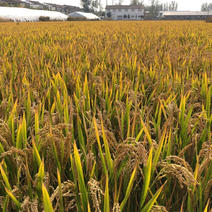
186, 5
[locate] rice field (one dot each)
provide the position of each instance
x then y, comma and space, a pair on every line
106, 116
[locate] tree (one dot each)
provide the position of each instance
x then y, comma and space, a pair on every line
154, 8
89, 5
120, 2
86, 4
165, 7
95, 4
206, 7
173, 6
137, 2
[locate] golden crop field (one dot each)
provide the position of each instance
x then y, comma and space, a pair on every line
106, 116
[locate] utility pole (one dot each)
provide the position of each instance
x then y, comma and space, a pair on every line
100, 6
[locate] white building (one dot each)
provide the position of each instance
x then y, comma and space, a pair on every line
125, 12
83, 15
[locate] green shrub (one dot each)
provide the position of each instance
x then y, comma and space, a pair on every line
209, 19
44, 18
76, 19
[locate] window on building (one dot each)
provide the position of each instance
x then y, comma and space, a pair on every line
133, 10
126, 9
119, 10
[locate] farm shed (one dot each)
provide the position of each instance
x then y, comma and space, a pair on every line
83, 15
186, 15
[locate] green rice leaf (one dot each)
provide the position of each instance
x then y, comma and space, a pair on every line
147, 177
129, 189
106, 197
152, 201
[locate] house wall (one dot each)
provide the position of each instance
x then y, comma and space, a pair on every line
126, 14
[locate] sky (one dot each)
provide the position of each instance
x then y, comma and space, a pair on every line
183, 5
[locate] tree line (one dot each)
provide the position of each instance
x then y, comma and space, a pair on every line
154, 6
206, 7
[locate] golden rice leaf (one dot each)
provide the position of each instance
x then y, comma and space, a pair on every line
60, 191
5, 178
100, 147
17, 203
147, 178
46, 200
129, 189
81, 181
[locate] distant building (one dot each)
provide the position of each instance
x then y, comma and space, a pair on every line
36, 5
84, 16
125, 12
63, 8
185, 15
12, 3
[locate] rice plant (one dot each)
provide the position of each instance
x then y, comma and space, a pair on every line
106, 116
